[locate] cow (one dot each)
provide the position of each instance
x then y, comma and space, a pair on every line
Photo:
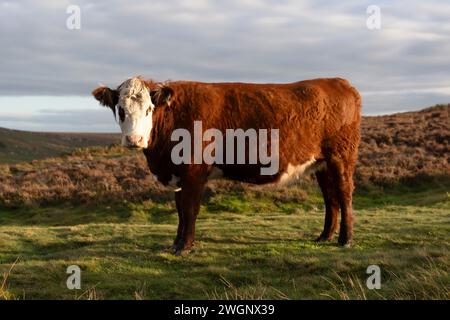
318, 124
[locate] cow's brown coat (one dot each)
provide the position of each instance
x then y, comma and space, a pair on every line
317, 119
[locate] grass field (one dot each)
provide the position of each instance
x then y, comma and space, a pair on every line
100, 208
248, 247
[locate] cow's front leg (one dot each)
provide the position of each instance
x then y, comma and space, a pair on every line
190, 198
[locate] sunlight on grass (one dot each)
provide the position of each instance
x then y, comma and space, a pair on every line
249, 246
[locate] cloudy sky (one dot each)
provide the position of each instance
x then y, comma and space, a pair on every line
47, 70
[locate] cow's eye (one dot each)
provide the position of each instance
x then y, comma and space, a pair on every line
149, 110
121, 114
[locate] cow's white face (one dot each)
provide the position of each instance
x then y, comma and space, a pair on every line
134, 110
133, 104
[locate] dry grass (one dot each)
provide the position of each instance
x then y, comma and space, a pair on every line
259, 291
406, 146
89, 294
4, 292
427, 282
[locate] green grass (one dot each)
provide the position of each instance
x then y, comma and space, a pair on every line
248, 247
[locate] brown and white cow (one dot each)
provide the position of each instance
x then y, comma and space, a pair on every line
319, 130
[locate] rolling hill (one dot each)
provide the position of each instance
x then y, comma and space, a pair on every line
18, 146
398, 148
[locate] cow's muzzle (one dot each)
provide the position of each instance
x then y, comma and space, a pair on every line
135, 142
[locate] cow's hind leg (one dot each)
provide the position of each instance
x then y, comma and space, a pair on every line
342, 172
341, 152
325, 181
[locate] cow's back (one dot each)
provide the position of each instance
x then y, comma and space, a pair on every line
307, 113
247, 105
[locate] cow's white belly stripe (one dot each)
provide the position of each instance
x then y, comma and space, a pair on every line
295, 171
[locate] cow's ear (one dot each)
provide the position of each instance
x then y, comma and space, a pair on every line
162, 95
106, 96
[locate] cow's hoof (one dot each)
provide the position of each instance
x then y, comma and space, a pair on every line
182, 252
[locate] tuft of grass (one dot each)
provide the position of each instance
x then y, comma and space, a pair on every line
5, 294
429, 281
348, 288
259, 291
89, 294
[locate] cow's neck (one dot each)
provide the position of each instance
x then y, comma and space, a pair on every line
160, 146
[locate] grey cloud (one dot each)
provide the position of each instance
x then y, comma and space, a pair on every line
252, 40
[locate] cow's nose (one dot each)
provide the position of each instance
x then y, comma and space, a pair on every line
135, 141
